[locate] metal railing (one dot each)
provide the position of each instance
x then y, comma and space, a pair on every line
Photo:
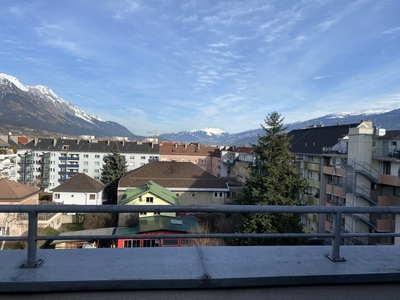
336, 235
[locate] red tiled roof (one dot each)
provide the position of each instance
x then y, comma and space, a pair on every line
80, 183
172, 175
12, 190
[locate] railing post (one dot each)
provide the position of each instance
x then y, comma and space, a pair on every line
32, 261
335, 256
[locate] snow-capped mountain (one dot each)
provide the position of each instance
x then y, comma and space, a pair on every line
205, 136
384, 118
40, 108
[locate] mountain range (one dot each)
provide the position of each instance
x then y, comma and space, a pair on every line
39, 108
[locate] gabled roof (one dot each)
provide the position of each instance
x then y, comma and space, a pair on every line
149, 187
179, 175
14, 191
157, 223
80, 183
313, 140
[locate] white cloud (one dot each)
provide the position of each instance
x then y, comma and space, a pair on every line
390, 31
123, 9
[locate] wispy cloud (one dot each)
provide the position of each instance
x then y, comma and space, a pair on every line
122, 9
390, 31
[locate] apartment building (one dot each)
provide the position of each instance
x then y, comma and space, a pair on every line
349, 165
48, 162
8, 160
206, 157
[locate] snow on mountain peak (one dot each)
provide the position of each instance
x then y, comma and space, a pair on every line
358, 113
14, 81
210, 131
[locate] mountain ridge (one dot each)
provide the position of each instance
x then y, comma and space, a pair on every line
40, 108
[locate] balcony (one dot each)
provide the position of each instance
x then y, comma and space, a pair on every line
313, 183
312, 166
329, 170
383, 225
237, 271
335, 190
389, 180
69, 158
311, 199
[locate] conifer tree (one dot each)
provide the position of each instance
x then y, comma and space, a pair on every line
274, 180
114, 169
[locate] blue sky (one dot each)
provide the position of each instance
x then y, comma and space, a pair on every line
171, 65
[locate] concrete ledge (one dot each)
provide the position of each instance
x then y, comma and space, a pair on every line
196, 267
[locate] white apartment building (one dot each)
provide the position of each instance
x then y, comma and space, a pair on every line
48, 162
8, 160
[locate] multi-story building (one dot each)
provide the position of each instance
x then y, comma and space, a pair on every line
48, 162
348, 165
195, 153
8, 160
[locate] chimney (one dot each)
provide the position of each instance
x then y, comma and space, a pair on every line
176, 145
185, 145
108, 143
36, 141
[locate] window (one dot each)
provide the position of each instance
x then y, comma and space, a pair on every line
143, 213
85, 163
188, 159
170, 242
149, 199
96, 170
85, 170
96, 163
97, 156
131, 157
150, 243
85, 155
156, 213
131, 243
203, 161
193, 195
56, 196
218, 195
92, 196
182, 160
143, 157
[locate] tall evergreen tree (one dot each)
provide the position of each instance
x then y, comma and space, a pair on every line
114, 169
274, 180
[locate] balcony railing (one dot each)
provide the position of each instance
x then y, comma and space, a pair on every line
336, 235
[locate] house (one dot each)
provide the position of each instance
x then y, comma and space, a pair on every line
156, 225
149, 194
80, 189
190, 183
16, 224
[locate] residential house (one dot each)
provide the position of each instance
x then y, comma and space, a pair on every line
149, 194
149, 226
190, 183
16, 224
79, 189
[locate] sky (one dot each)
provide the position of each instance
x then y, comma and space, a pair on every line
169, 65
